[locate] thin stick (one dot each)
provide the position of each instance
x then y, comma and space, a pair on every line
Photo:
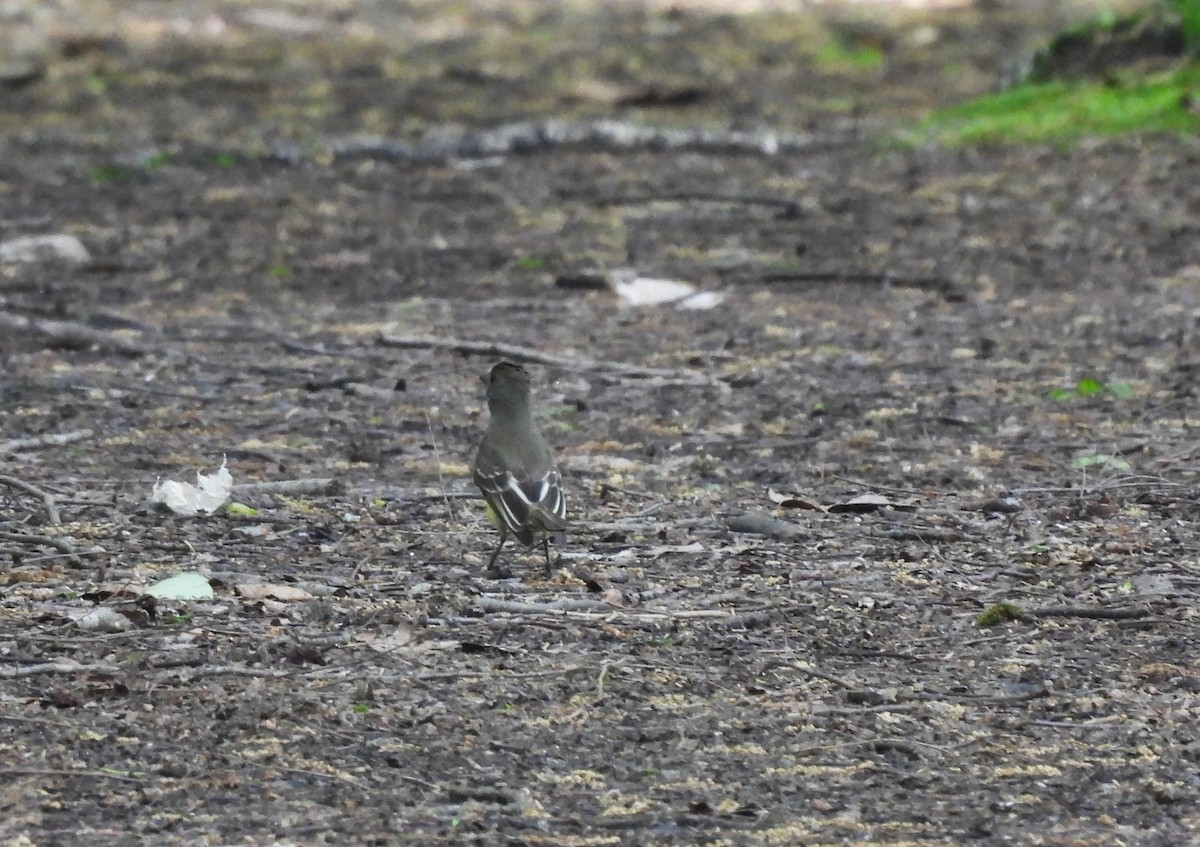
931, 282
55, 667
437, 457
788, 208
68, 772
489, 605
523, 354
1127, 613
903, 492
62, 545
52, 440
47, 499
317, 485
71, 334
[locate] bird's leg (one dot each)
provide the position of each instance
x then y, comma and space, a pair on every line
546, 550
499, 547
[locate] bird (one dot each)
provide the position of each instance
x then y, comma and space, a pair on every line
514, 467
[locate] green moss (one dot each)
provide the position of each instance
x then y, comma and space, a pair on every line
1060, 111
836, 54
112, 173
531, 263
999, 613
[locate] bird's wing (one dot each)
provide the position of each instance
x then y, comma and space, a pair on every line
525, 505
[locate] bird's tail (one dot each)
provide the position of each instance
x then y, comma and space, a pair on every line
546, 521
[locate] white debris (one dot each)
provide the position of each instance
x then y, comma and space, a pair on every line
44, 248
637, 290
210, 493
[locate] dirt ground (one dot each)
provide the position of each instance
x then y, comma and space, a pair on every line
1000, 346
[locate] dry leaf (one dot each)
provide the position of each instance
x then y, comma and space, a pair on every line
792, 501
271, 591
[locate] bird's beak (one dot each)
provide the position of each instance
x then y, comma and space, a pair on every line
483, 378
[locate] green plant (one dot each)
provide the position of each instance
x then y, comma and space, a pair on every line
112, 173
224, 161
1104, 460
1092, 387
1189, 20
1066, 112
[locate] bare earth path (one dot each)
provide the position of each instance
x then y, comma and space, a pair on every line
1002, 346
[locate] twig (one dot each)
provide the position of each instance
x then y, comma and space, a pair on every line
787, 207
68, 772
605, 488
524, 354
607, 135
1100, 486
51, 440
65, 666
597, 610
71, 334
291, 346
926, 535
489, 604
62, 545
316, 485
191, 674
1096, 613
48, 501
991, 699
491, 676
933, 283
907, 706
627, 525
459, 792
862, 483
437, 457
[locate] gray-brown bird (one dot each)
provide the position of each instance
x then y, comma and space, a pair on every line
514, 467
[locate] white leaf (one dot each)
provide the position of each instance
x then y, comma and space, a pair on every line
271, 591
182, 586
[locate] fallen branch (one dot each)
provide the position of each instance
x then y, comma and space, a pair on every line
55, 667
928, 535
48, 502
36, 442
932, 283
119, 777
489, 604
460, 792
71, 334
788, 208
524, 354
316, 485
610, 136
194, 673
1095, 613
62, 545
